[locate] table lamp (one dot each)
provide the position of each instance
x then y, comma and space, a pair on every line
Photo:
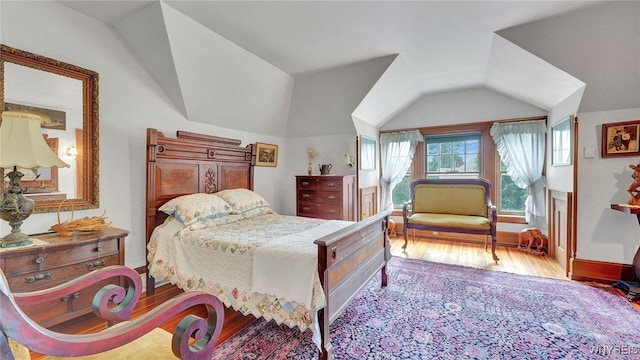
21, 146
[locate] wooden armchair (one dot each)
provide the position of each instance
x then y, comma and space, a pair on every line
114, 304
451, 205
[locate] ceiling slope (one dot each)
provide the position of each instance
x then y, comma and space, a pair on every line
323, 101
220, 84
526, 77
145, 33
599, 44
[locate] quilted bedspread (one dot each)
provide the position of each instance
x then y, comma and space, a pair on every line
222, 256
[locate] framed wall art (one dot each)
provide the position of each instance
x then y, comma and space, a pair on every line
266, 155
620, 139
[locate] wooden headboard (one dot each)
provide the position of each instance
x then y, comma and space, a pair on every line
192, 163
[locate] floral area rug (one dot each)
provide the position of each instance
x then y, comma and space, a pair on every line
439, 311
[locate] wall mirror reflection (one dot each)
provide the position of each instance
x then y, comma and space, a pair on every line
66, 97
561, 142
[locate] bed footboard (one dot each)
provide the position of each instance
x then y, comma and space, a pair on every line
347, 261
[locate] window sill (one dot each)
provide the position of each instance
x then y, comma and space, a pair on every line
512, 219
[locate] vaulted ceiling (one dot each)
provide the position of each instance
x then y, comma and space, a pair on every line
207, 55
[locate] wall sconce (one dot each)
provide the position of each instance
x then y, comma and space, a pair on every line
72, 151
349, 160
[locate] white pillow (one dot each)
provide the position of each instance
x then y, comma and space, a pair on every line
193, 207
242, 200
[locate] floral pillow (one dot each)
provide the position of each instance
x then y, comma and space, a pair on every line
242, 200
193, 207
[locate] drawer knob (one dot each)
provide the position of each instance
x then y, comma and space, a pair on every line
331, 197
39, 260
332, 211
32, 279
306, 196
306, 209
304, 183
68, 297
95, 264
331, 184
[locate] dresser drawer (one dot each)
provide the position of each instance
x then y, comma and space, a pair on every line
324, 197
321, 211
38, 260
62, 309
42, 279
327, 184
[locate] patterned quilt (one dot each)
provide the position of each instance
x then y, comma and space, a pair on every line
216, 255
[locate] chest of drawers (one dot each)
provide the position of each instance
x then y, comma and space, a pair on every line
52, 260
325, 196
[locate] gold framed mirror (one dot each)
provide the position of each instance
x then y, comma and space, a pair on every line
69, 94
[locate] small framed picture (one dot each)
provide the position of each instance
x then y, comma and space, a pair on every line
620, 139
266, 155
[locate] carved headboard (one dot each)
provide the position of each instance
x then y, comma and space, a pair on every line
192, 163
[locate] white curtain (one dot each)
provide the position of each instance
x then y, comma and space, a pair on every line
521, 146
396, 151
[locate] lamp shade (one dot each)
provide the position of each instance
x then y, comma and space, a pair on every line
22, 143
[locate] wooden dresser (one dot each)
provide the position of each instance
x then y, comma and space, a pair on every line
325, 196
52, 260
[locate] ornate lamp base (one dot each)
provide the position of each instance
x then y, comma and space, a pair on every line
14, 208
15, 238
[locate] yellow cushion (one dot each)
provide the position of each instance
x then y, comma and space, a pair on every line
451, 221
450, 199
19, 352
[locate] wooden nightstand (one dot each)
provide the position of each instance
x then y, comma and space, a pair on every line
54, 259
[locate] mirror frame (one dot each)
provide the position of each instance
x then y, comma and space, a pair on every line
90, 151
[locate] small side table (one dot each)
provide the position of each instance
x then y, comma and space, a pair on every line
632, 288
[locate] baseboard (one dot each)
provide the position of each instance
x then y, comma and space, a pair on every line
599, 271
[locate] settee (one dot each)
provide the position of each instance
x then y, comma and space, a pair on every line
451, 205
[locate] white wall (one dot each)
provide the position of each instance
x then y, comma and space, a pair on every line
130, 102
604, 234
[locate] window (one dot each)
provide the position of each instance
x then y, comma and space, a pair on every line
400, 193
511, 198
456, 156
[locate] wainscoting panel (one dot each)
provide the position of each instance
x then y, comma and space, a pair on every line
368, 202
560, 228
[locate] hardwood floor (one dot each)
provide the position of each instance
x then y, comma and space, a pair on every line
474, 255
458, 253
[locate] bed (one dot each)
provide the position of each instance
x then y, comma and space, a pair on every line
346, 255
